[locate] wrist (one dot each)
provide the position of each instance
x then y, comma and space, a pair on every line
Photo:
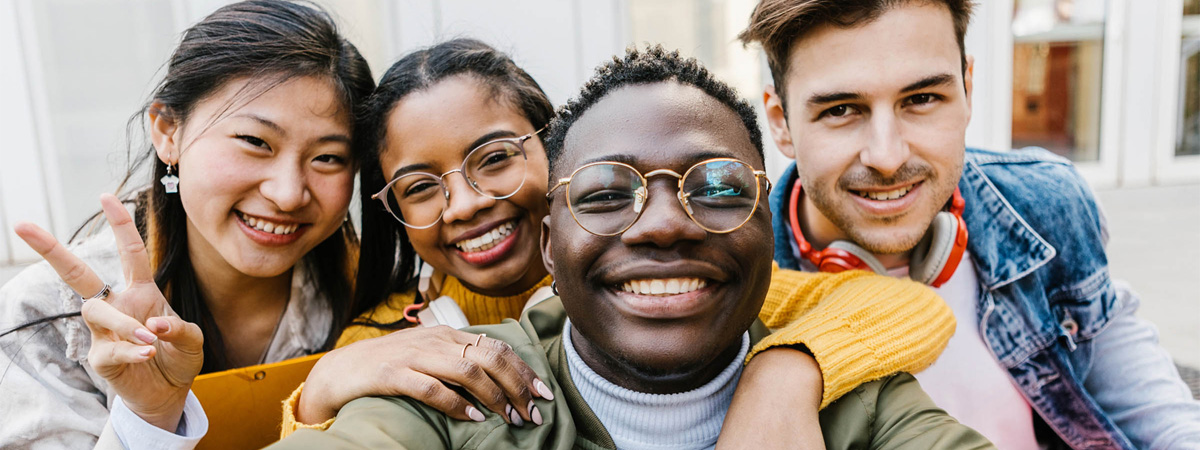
166, 414
309, 407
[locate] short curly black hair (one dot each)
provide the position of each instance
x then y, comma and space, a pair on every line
653, 65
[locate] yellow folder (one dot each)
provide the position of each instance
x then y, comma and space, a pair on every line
244, 406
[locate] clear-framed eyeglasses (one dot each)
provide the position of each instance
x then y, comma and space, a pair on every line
494, 169
719, 194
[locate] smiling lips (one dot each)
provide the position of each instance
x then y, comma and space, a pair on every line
885, 195
487, 240
271, 233
669, 286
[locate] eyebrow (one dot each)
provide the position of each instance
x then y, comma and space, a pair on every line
925, 83
930, 81
491, 136
632, 160
340, 138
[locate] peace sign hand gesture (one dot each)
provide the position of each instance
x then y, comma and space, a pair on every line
146, 352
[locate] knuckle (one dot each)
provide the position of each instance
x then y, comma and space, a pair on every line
428, 389
496, 398
496, 345
468, 369
75, 273
494, 359
134, 248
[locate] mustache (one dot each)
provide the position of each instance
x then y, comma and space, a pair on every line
869, 177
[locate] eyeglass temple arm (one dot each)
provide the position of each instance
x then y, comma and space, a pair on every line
561, 182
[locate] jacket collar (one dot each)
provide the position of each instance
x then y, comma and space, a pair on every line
544, 322
1003, 246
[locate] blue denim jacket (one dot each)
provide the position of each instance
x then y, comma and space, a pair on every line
1037, 242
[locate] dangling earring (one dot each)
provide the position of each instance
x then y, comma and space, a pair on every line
553, 287
170, 181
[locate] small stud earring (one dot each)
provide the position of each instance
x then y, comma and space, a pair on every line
170, 181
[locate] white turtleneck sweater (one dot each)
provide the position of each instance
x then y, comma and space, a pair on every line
637, 420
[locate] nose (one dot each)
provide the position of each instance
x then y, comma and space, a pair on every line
464, 202
886, 151
663, 222
286, 187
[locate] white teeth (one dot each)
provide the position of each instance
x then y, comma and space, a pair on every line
669, 286
887, 195
487, 240
268, 227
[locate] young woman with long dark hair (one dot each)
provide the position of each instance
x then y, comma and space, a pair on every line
248, 254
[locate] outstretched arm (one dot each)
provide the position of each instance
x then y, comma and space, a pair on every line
833, 332
858, 326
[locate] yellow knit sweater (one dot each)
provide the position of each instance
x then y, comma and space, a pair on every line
858, 326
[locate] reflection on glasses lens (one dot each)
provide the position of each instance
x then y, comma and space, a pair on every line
719, 195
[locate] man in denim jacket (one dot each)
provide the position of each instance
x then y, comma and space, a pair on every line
872, 100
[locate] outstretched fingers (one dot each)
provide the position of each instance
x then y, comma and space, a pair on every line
70, 268
134, 259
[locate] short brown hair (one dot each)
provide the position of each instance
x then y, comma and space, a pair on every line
777, 24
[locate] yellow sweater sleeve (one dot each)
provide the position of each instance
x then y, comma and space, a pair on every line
387, 312
859, 326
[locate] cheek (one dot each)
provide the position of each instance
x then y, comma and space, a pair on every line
334, 191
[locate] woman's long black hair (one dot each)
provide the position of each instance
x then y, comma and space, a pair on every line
267, 42
387, 262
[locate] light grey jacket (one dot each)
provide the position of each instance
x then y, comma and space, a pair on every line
50, 397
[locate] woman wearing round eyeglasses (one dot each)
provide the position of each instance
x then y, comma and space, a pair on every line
460, 177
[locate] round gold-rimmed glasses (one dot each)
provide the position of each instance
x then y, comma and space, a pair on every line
606, 198
494, 169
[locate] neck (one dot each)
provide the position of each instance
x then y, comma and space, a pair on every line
531, 278
819, 231
246, 309
651, 380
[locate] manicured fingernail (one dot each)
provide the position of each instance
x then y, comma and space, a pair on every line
543, 390
513, 417
474, 414
534, 414
145, 336
146, 351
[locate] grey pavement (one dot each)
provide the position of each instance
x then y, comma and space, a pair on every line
1155, 245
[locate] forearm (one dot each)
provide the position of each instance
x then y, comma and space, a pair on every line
768, 412
858, 326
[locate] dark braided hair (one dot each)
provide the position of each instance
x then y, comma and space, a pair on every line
654, 65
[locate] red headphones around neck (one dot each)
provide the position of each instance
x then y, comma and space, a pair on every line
933, 261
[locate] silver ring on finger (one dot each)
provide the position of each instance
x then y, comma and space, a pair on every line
103, 294
480, 338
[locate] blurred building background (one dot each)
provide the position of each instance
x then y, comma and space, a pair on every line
1114, 85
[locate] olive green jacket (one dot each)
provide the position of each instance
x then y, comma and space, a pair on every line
890, 413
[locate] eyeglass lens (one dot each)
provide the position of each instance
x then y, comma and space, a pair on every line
496, 170
719, 195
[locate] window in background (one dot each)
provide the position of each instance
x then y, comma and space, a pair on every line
98, 60
706, 30
1188, 134
1058, 48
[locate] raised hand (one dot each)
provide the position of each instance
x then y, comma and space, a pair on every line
415, 362
139, 345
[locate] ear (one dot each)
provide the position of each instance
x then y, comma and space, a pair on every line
777, 121
969, 80
164, 132
547, 255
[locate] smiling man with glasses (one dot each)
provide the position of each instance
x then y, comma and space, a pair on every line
660, 248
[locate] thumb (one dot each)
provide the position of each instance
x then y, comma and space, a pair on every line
184, 335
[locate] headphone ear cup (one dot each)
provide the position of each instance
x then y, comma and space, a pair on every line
931, 254
862, 254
